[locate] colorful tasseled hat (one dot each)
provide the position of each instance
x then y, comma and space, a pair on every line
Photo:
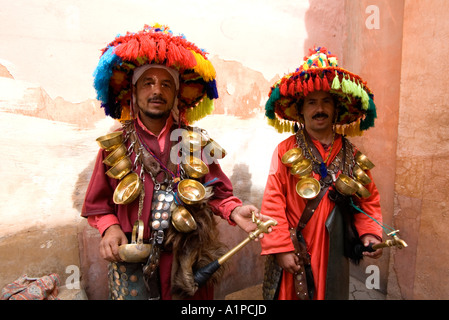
320, 71
155, 44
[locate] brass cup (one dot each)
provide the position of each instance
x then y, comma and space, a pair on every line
291, 157
182, 220
195, 167
120, 169
128, 189
116, 155
136, 251
346, 185
362, 192
308, 188
110, 141
302, 168
216, 150
191, 191
192, 140
361, 175
363, 161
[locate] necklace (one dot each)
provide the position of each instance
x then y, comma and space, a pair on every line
323, 167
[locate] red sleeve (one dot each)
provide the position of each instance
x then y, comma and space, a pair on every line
274, 205
102, 221
223, 200
98, 199
371, 206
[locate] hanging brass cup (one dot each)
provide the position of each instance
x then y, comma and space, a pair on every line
120, 169
362, 192
291, 157
128, 189
346, 185
192, 140
361, 175
110, 141
216, 150
302, 168
136, 251
195, 167
363, 161
116, 155
191, 191
183, 220
308, 188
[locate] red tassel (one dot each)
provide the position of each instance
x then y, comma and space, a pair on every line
325, 84
128, 50
291, 88
304, 86
173, 54
161, 50
310, 86
298, 86
317, 83
147, 48
283, 88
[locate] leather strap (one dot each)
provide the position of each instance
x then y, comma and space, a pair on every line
310, 209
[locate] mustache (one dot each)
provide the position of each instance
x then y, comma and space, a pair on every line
157, 99
320, 115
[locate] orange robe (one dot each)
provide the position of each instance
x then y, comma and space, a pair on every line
282, 203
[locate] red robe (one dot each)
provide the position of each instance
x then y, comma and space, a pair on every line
102, 212
282, 203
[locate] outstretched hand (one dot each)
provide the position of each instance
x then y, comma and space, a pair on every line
243, 217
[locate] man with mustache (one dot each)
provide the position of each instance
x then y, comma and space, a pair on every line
308, 252
155, 83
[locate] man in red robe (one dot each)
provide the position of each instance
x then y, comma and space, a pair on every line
314, 100
150, 81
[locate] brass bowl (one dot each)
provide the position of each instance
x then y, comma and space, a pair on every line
120, 169
308, 188
346, 185
116, 155
182, 220
195, 167
191, 191
361, 175
302, 168
128, 189
362, 192
363, 161
136, 251
192, 140
110, 141
216, 150
291, 157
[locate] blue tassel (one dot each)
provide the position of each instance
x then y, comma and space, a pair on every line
323, 170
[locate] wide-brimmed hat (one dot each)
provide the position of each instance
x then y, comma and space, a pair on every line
155, 45
320, 71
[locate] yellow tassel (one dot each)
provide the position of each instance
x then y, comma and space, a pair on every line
205, 107
336, 82
126, 115
204, 67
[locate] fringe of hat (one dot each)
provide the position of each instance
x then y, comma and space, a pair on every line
154, 44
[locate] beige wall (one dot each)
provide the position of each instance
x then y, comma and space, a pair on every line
421, 193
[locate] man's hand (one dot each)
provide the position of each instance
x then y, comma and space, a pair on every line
242, 216
113, 237
366, 240
288, 261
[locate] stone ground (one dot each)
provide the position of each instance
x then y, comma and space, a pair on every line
357, 291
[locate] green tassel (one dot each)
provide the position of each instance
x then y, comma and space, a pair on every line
371, 114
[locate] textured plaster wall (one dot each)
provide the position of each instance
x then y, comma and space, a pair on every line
422, 196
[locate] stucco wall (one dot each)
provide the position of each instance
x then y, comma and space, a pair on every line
422, 196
